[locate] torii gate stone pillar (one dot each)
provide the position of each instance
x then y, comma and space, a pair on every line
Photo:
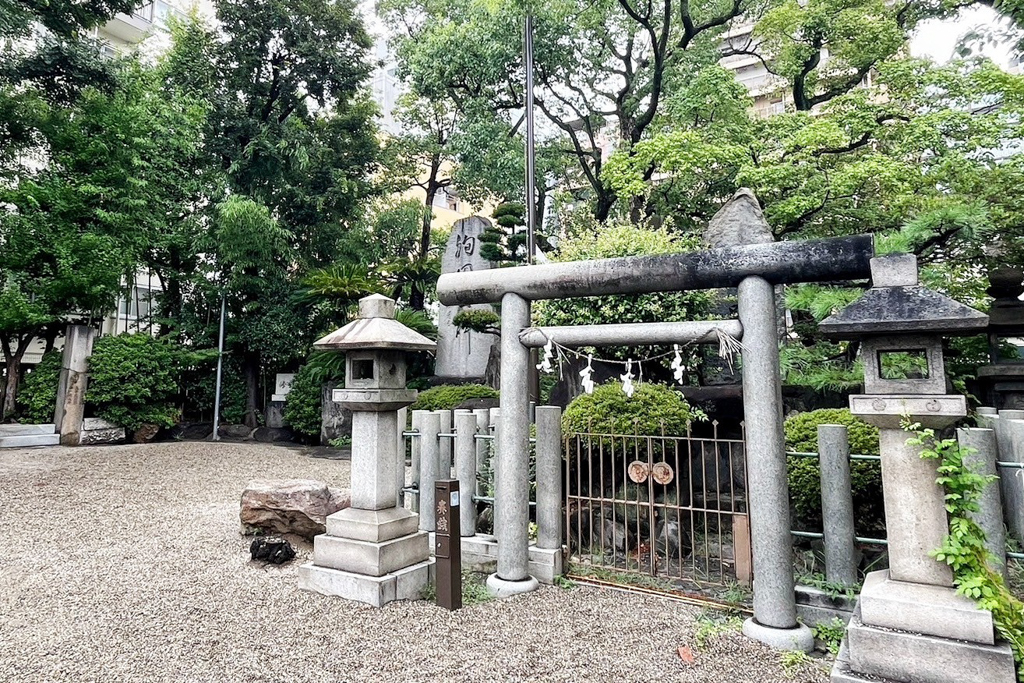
755, 269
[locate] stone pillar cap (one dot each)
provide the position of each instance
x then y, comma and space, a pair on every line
376, 306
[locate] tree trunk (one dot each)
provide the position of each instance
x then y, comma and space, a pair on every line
417, 298
603, 206
252, 387
13, 369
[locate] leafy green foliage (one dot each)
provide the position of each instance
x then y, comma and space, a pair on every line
303, 409
448, 396
37, 398
711, 624
963, 549
478, 320
653, 409
200, 383
503, 243
134, 380
805, 473
589, 240
794, 660
474, 589
831, 634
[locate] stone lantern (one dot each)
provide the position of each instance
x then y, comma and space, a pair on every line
373, 551
910, 625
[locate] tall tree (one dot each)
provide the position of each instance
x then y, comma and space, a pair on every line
288, 130
77, 226
602, 68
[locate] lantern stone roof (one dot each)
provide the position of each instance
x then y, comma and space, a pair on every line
375, 328
898, 304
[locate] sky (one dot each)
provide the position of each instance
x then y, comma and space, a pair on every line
938, 39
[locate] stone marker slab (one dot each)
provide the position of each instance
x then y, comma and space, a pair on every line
462, 354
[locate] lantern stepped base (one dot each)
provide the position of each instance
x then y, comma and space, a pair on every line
872, 653
403, 584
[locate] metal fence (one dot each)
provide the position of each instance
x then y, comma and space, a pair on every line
669, 508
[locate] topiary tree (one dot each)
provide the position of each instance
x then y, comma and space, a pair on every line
37, 398
303, 409
805, 473
449, 396
653, 409
504, 244
134, 380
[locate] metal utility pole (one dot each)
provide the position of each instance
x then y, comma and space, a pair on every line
531, 186
530, 156
220, 367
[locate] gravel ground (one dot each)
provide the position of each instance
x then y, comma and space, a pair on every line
125, 563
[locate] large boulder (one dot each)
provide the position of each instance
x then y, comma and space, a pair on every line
292, 506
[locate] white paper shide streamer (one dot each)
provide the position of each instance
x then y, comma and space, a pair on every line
627, 379
587, 376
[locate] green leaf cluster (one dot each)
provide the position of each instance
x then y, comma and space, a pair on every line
134, 380
477, 320
449, 396
303, 409
37, 398
589, 240
653, 409
804, 474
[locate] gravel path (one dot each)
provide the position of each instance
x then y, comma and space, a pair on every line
125, 563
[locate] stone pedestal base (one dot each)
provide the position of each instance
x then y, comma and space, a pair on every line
799, 638
920, 608
875, 654
500, 588
404, 584
480, 554
904, 631
371, 556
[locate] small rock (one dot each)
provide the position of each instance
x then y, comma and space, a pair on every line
271, 549
292, 506
192, 431
273, 435
234, 431
145, 433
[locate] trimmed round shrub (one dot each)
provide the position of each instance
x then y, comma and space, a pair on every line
37, 396
134, 380
449, 396
651, 409
805, 473
303, 408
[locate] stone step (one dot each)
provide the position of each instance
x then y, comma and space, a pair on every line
21, 430
26, 440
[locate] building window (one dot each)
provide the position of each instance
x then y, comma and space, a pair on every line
140, 303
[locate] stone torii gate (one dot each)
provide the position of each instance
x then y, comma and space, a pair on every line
755, 270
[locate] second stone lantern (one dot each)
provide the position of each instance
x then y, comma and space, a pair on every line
373, 551
910, 624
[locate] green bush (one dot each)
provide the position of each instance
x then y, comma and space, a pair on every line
134, 380
651, 409
805, 473
448, 396
201, 386
303, 409
37, 396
